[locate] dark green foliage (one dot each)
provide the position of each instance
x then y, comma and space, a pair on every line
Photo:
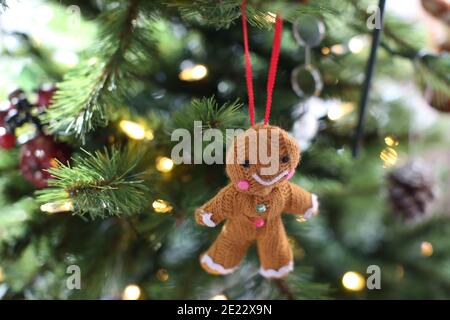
433, 74
221, 14
208, 111
98, 84
100, 184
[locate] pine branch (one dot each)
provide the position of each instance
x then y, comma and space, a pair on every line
8, 160
100, 184
224, 13
210, 114
284, 289
395, 32
34, 51
398, 40
432, 73
98, 83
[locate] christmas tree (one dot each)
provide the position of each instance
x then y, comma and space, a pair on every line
92, 205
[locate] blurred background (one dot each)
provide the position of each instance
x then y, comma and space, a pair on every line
99, 85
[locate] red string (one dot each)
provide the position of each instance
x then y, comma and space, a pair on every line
248, 68
273, 65
272, 68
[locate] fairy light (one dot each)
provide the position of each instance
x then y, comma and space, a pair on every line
164, 164
149, 135
219, 297
325, 51
193, 73
391, 141
357, 44
162, 206
132, 129
135, 130
56, 207
338, 49
353, 281
162, 275
270, 17
131, 292
389, 157
337, 112
426, 249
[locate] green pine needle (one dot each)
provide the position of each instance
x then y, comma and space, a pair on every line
208, 111
432, 73
222, 14
99, 83
100, 184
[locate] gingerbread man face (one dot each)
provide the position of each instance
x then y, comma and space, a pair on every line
260, 158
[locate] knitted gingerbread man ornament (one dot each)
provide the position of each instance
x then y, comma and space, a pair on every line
259, 190
253, 201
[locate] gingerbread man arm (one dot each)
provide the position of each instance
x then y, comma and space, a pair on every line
300, 201
217, 209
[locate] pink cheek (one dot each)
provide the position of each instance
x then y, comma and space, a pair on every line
243, 185
290, 174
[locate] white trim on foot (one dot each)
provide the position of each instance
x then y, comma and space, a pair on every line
271, 273
315, 207
215, 266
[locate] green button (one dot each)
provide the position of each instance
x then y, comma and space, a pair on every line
261, 208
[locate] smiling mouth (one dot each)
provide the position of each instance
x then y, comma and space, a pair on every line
272, 181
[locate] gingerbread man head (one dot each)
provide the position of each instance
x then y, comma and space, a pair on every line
260, 158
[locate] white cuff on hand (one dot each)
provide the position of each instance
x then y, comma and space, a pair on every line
206, 218
314, 208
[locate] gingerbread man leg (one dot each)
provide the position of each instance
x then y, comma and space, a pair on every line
225, 253
275, 254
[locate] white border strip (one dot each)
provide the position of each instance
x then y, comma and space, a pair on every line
271, 273
215, 266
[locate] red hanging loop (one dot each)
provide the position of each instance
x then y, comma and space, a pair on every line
248, 67
273, 65
272, 68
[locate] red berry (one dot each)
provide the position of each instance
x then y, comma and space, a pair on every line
45, 95
7, 139
38, 155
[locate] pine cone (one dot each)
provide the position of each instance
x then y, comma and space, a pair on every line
410, 190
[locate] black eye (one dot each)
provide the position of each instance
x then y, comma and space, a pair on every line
285, 159
246, 164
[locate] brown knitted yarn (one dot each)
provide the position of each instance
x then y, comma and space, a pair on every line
253, 202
